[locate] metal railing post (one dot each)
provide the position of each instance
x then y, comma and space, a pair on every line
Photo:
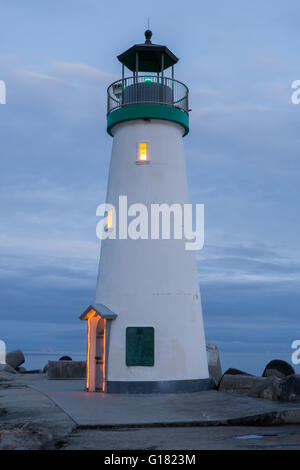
122, 95
162, 75
172, 84
137, 77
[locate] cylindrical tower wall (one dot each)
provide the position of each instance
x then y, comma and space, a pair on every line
151, 283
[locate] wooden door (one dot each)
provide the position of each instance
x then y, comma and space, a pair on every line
100, 356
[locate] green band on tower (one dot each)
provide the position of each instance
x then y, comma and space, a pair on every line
148, 111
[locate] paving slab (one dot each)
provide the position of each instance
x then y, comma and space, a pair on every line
187, 438
28, 418
207, 408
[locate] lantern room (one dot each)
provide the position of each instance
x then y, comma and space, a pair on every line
147, 85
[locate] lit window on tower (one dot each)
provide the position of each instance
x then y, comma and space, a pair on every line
143, 152
109, 220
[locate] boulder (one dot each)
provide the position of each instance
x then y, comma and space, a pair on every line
15, 358
214, 364
65, 358
6, 376
34, 371
268, 388
66, 370
21, 369
7, 368
235, 383
290, 388
278, 368
233, 371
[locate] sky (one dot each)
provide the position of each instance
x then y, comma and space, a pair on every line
239, 59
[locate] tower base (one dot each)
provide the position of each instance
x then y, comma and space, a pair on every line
162, 386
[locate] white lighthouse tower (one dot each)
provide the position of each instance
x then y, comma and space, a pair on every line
145, 327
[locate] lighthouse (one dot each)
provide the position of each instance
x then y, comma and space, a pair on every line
145, 329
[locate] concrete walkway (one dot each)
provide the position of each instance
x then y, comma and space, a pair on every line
198, 409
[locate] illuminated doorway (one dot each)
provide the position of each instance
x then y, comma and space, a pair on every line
99, 319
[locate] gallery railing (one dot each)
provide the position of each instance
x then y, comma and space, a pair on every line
147, 89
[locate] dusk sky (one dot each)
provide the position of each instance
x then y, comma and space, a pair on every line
239, 59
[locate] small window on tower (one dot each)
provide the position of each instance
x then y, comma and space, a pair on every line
109, 224
143, 156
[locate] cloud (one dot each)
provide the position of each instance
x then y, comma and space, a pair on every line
247, 265
207, 92
231, 108
70, 91
36, 328
37, 78
39, 336
59, 264
59, 248
266, 61
56, 73
41, 193
75, 70
252, 267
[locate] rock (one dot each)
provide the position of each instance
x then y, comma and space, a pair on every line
241, 384
15, 358
21, 369
233, 371
66, 370
6, 376
214, 364
268, 388
290, 388
278, 368
17, 439
65, 358
7, 368
34, 371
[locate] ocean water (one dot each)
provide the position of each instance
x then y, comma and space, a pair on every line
37, 360
253, 363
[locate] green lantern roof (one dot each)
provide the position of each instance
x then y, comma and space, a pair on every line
149, 56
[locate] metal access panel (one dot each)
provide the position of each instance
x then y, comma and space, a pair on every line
140, 346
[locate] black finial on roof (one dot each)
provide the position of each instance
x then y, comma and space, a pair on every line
148, 35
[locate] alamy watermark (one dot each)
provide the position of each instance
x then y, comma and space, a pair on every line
162, 221
296, 354
295, 98
2, 92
